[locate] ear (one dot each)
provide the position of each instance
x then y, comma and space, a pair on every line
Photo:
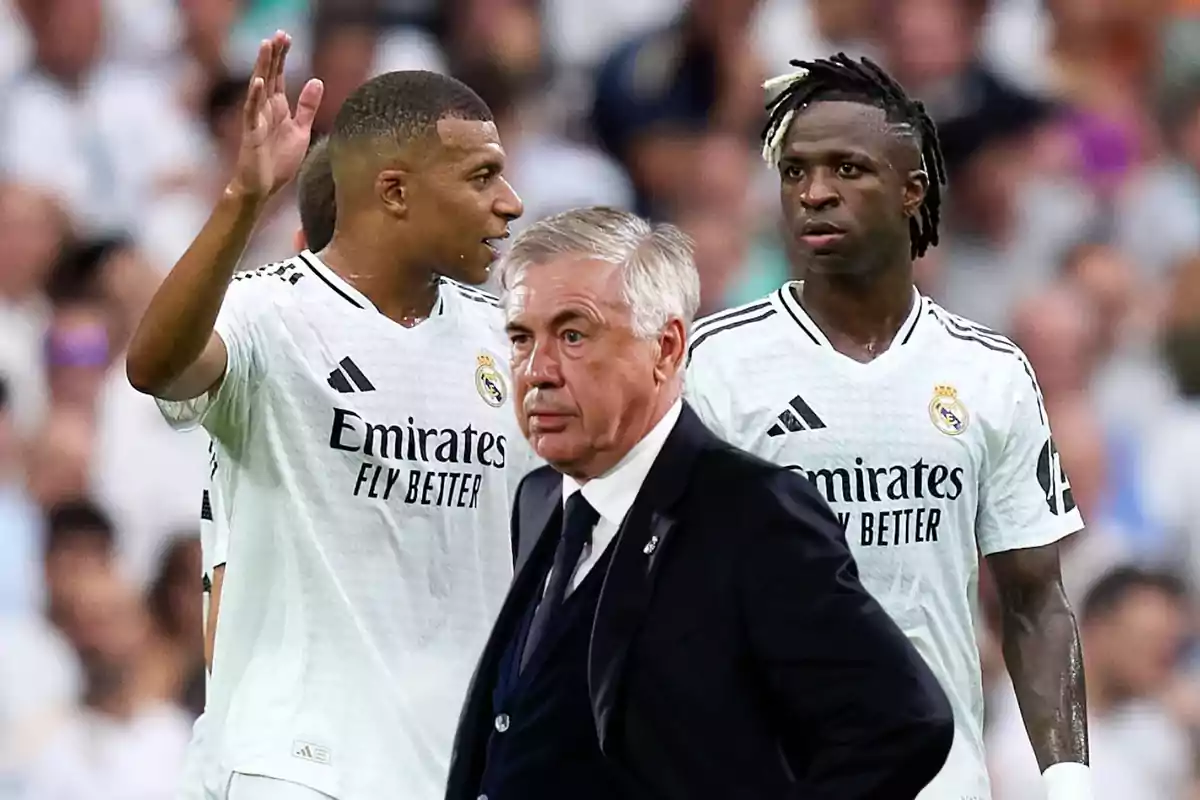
916, 184
393, 186
299, 243
672, 350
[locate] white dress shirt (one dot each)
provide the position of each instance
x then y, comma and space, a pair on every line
612, 494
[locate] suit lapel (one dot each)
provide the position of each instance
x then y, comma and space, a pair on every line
538, 511
638, 552
541, 504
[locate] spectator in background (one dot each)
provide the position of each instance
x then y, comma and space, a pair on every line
80, 540
165, 230
343, 57
173, 668
748, 261
1083, 454
20, 523
1156, 218
1169, 478
550, 172
96, 135
58, 457
721, 247
815, 28
201, 61
114, 743
37, 688
1134, 625
33, 229
78, 353
1058, 330
659, 93
1006, 219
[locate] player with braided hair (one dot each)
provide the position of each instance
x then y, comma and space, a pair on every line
840, 77
926, 432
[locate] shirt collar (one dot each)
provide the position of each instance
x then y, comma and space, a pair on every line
612, 494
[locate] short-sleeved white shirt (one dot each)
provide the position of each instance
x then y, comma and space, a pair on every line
214, 548
375, 469
934, 451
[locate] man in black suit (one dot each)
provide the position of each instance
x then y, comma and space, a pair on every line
686, 621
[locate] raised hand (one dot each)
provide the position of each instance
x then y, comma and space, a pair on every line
274, 140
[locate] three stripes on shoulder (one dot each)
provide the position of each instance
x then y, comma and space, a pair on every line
287, 271
728, 320
471, 293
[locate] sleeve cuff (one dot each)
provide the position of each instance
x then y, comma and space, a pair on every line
1068, 780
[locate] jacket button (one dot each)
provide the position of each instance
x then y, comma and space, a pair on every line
502, 722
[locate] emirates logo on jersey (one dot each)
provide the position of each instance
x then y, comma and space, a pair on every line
889, 505
422, 465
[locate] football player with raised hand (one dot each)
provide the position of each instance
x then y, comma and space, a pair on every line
360, 396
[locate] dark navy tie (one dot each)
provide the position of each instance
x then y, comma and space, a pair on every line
578, 521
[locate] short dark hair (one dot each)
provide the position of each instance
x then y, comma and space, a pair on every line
174, 565
77, 274
78, 521
225, 93
406, 106
841, 78
1114, 588
316, 196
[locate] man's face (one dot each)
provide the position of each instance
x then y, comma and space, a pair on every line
460, 201
848, 187
1138, 645
587, 384
77, 350
108, 627
69, 33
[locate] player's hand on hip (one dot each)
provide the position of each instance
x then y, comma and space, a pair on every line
274, 139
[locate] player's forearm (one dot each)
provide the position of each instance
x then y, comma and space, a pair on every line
179, 321
1043, 655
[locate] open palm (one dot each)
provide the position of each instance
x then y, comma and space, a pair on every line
274, 140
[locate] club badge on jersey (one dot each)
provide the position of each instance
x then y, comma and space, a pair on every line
947, 412
489, 382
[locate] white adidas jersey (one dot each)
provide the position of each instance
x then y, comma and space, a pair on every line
196, 782
937, 447
375, 467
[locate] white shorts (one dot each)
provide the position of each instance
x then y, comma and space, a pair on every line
257, 787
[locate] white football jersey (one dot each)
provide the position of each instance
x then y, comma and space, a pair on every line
935, 450
197, 780
376, 466
214, 521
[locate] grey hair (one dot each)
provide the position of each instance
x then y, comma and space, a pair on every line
660, 282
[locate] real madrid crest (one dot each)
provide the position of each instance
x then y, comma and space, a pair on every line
947, 412
489, 382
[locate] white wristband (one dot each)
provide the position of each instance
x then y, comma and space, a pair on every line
1068, 780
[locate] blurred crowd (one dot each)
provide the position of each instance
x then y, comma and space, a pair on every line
1071, 130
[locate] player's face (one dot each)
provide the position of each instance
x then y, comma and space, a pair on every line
586, 383
848, 186
461, 202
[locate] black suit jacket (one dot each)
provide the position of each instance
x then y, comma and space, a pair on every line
734, 653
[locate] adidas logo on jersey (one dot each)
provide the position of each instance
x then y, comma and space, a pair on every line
347, 373
311, 752
798, 416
